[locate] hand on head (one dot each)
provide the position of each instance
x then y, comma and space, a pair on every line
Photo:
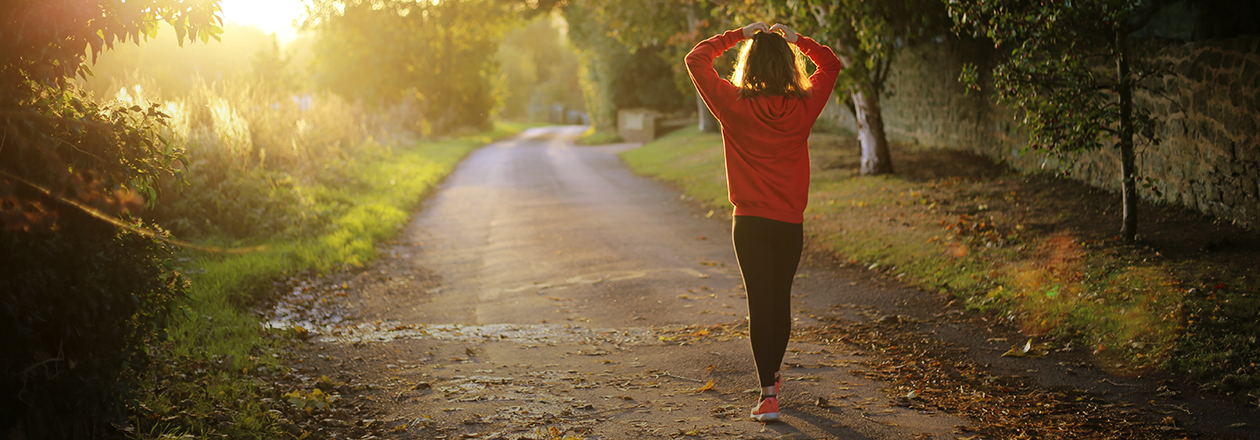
753, 28
788, 34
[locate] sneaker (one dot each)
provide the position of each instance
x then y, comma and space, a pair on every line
767, 410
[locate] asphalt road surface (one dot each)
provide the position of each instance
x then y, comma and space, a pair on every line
546, 291
546, 286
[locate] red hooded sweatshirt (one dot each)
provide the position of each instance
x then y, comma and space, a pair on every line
765, 138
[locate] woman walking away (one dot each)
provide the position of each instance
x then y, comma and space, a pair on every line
766, 111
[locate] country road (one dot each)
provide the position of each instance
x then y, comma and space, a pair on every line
546, 291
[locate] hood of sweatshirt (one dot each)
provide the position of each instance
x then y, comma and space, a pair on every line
780, 114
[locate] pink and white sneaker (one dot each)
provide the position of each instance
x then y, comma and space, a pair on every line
767, 410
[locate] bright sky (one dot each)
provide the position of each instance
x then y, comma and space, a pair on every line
269, 15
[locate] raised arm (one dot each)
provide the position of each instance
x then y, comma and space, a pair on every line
824, 79
714, 90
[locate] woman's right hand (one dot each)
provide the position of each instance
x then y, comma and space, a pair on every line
753, 28
788, 34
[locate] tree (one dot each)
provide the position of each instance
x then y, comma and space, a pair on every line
84, 286
866, 36
666, 28
1069, 68
47, 124
538, 69
439, 54
596, 53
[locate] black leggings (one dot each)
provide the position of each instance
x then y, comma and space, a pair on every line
768, 252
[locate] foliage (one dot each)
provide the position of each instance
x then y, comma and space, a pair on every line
251, 155
539, 69
55, 37
1068, 68
315, 400
671, 27
437, 56
644, 82
170, 70
596, 50
80, 306
1057, 67
84, 291
632, 56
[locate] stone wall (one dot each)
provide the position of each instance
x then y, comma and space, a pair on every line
1209, 155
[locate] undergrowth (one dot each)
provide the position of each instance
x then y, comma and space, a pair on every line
995, 247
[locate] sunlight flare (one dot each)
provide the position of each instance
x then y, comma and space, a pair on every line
271, 16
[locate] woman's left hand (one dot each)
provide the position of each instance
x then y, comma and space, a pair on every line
788, 34
753, 28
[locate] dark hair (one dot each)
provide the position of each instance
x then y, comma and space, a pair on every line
769, 66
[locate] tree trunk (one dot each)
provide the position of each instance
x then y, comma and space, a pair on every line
870, 122
1128, 231
708, 122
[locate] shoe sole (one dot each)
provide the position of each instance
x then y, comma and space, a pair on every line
767, 417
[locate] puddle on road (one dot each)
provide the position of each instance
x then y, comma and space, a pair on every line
317, 305
311, 305
385, 331
313, 309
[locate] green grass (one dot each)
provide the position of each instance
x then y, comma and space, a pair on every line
594, 137
690, 159
218, 351
1133, 310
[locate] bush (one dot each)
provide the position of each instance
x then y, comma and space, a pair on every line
251, 158
82, 288
80, 305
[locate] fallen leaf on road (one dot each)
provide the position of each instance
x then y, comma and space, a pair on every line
706, 387
1028, 350
805, 378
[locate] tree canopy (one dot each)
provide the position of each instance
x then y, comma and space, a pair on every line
439, 55
1069, 69
629, 59
58, 145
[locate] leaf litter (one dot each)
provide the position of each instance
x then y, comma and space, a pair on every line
925, 374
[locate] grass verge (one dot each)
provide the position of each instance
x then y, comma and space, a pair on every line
215, 376
594, 137
1037, 252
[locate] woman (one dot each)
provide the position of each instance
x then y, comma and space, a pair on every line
766, 111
